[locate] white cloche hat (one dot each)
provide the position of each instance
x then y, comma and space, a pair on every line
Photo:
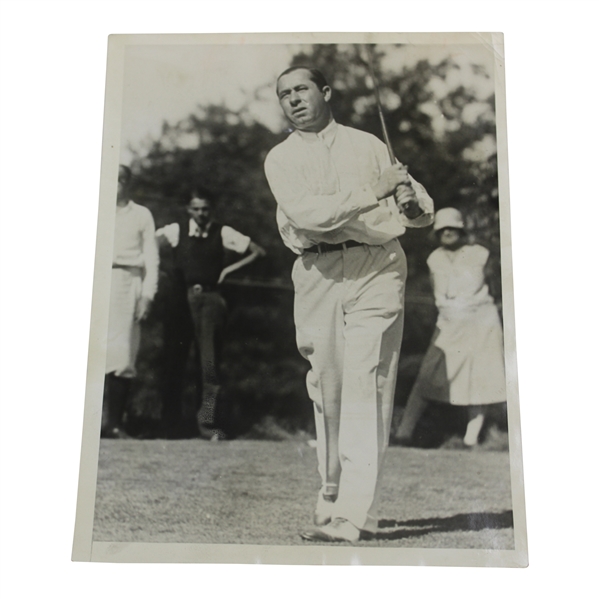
448, 217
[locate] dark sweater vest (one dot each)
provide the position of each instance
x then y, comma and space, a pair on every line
200, 259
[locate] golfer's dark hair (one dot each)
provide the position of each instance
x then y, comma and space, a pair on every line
127, 172
315, 75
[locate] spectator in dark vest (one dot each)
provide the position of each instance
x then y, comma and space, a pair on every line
199, 244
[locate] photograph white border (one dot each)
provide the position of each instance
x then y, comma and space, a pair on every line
550, 51
84, 548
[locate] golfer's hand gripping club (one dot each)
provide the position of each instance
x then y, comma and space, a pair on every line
390, 180
405, 197
395, 181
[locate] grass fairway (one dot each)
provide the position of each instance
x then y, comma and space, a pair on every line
263, 492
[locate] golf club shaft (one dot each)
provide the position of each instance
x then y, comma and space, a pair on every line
377, 96
408, 206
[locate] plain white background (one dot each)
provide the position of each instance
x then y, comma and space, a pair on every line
52, 79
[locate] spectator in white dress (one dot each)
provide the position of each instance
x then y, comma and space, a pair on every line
464, 364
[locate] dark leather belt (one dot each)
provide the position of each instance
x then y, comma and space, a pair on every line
133, 269
323, 248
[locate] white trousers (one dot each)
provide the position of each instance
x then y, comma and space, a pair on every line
123, 331
349, 310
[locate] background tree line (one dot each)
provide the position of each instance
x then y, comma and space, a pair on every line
444, 132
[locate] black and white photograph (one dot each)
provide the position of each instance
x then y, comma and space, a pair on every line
302, 343
184, 95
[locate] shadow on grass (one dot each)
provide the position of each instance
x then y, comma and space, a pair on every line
460, 522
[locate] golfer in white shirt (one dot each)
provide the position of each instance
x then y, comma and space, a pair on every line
338, 197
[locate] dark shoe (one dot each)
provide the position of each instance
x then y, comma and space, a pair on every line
115, 433
401, 441
172, 433
337, 531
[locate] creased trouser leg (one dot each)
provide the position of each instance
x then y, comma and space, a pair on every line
349, 319
319, 325
372, 352
123, 331
116, 392
208, 312
178, 335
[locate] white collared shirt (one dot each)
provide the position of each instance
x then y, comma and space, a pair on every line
232, 240
322, 183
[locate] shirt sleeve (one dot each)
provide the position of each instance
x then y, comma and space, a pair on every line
310, 212
150, 254
234, 241
170, 233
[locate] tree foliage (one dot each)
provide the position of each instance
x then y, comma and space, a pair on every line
443, 131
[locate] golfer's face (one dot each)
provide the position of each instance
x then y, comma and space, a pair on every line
199, 210
303, 103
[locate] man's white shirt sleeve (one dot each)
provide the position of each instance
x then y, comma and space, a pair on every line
234, 240
170, 233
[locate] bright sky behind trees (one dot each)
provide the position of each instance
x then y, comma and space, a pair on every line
169, 82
